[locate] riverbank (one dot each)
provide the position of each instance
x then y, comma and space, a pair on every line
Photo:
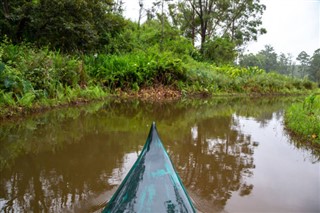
303, 119
158, 93
37, 79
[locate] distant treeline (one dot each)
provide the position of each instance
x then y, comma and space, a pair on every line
269, 60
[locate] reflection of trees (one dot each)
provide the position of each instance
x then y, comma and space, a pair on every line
213, 164
262, 109
68, 126
59, 181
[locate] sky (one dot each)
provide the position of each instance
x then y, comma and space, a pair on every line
292, 25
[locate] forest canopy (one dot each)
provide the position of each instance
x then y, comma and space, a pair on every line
66, 25
221, 27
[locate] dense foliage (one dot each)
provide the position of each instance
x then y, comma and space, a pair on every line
77, 25
61, 51
304, 118
30, 75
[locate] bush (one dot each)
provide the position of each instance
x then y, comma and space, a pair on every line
28, 75
138, 69
39, 69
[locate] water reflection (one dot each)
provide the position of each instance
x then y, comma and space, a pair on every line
286, 179
56, 181
73, 159
214, 162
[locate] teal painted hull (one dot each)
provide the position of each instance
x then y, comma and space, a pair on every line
152, 184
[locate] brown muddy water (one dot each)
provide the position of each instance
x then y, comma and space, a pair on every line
232, 154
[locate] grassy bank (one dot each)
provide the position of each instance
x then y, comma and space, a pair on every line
33, 78
303, 119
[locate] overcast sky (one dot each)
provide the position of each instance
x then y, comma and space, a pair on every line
292, 25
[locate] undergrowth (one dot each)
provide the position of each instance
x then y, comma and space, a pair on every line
304, 118
33, 77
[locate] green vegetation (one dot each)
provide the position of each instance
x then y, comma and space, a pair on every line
59, 52
269, 60
37, 78
32, 78
69, 26
304, 118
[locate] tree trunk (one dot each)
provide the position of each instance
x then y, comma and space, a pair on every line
203, 37
193, 30
140, 16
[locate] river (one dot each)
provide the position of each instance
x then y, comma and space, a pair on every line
232, 154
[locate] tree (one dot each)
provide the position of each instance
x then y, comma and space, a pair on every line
314, 68
220, 50
249, 60
183, 16
269, 57
268, 60
206, 16
160, 9
283, 64
243, 20
239, 20
151, 34
14, 19
140, 13
304, 60
291, 65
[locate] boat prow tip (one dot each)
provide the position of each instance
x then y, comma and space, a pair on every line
154, 126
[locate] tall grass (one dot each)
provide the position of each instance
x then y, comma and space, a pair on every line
304, 118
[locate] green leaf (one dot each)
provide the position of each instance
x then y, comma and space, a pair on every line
27, 99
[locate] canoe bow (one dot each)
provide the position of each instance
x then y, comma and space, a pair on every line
152, 184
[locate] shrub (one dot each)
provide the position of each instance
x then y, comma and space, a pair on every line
139, 69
